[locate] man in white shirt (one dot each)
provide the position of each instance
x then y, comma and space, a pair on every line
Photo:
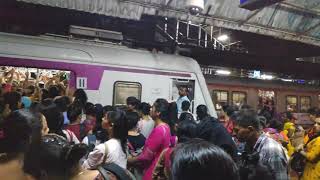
186, 114
183, 92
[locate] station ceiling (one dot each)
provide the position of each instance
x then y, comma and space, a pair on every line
266, 52
294, 20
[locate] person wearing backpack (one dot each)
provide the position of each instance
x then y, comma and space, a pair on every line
135, 140
98, 134
268, 152
115, 149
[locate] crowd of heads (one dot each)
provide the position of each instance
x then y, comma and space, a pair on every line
36, 134
40, 131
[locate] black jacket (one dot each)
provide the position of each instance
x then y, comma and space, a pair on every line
211, 130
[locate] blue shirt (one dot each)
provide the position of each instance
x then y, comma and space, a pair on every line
179, 102
65, 118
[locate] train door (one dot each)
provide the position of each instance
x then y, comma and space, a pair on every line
190, 85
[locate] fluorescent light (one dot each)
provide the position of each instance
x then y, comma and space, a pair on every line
223, 37
287, 80
223, 72
266, 77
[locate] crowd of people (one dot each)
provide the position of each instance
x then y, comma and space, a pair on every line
49, 134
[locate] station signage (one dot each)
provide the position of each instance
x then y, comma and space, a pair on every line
256, 4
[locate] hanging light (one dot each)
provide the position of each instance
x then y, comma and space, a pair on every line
195, 6
266, 77
223, 37
223, 72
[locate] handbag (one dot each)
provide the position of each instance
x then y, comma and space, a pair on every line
298, 162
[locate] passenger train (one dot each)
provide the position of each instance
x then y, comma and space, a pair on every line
280, 95
109, 72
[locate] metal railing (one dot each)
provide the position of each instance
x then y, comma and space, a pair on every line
181, 34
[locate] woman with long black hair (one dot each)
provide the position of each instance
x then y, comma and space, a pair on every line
199, 159
114, 150
19, 132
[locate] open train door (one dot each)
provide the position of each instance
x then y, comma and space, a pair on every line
190, 84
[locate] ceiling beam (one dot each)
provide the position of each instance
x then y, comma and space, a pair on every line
300, 8
250, 16
224, 22
206, 14
168, 2
309, 29
137, 8
271, 20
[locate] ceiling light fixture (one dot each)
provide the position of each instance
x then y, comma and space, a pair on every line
195, 7
223, 37
266, 77
223, 72
287, 80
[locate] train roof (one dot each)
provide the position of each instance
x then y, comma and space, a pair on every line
88, 51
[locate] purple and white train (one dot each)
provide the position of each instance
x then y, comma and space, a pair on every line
109, 72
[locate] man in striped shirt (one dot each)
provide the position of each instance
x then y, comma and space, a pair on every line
271, 153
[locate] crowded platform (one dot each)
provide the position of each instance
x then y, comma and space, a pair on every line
51, 131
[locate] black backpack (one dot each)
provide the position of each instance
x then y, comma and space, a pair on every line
298, 162
119, 172
250, 168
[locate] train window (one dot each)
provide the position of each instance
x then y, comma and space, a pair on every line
220, 98
266, 99
292, 103
122, 90
305, 103
239, 98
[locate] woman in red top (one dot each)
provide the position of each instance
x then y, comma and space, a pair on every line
74, 114
228, 121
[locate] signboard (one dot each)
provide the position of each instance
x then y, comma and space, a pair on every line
81, 83
256, 74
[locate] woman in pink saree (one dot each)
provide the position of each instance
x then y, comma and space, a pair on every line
158, 140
